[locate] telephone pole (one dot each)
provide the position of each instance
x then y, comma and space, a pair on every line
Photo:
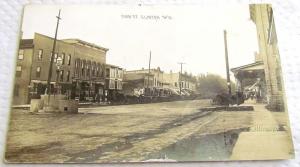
227, 63
149, 70
52, 55
180, 76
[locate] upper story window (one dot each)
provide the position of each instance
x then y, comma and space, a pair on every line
121, 73
18, 71
40, 54
69, 59
63, 58
21, 54
107, 72
97, 71
68, 76
38, 72
55, 56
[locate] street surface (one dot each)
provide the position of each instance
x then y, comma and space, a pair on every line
139, 132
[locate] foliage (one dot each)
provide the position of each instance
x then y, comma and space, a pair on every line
211, 84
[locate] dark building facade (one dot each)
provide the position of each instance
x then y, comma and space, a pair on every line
80, 76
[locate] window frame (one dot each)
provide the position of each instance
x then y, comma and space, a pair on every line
40, 54
38, 71
21, 54
69, 59
18, 71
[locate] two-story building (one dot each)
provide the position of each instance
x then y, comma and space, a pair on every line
179, 81
152, 78
81, 74
113, 81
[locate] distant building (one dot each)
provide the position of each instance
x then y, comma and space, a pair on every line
177, 81
266, 70
137, 81
155, 78
113, 80
81, 75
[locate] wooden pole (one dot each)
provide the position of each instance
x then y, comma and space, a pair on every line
149, 69
52, 56
227, 63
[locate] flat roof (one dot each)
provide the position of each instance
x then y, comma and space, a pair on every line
79, 41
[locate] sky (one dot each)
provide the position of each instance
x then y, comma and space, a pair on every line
173, 34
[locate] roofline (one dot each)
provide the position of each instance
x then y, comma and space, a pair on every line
145, 69
111, 65
247, 65
50, 38
87, 43
80, 41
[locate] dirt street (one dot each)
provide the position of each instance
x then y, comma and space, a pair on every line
113, 133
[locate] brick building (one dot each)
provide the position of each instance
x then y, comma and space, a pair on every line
266, 70
81, 75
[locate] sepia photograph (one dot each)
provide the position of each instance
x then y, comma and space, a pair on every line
148, 83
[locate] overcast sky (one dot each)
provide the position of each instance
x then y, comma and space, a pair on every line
193, 35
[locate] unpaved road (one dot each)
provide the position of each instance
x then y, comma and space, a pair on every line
113, 133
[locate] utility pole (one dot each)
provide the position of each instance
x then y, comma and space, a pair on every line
227, 63
52, 56
149, 70
180, 76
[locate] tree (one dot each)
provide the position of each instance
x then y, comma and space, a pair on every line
211, 84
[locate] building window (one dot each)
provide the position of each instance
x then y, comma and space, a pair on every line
16, 90
69, 59
175, 84
107, 72
55, 57
88, 72
38, 72
62, 75
63, 58
21, 54
76, 63
68, 76
18, 71
40, 54
97, 71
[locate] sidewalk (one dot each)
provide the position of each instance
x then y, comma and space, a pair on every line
265, 140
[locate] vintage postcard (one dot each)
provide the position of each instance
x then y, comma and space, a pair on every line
110, 84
